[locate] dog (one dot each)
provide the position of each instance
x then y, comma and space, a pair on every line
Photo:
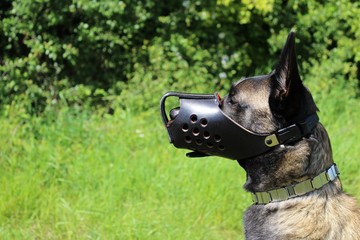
263, 104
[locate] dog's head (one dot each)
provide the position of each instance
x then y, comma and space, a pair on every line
264, 108
265, 103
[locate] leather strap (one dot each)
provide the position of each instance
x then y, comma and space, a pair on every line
293, 133
299, 189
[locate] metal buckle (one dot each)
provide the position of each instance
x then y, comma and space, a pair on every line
271, 140
332, 173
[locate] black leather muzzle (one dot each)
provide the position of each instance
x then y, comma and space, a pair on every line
201, 126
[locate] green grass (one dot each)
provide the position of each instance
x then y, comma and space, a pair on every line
83, 177
79, 176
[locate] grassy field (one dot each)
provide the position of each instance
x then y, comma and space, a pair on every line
80, 176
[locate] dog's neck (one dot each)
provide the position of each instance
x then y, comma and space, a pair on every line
289, 164
298, 189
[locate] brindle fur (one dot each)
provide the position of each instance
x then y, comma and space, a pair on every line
264, 104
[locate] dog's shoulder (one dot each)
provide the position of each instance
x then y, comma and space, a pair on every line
326, 214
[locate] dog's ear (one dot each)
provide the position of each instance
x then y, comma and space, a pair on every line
289, 97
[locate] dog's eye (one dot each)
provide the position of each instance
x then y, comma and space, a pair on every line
242, 106
231, 101
234, 103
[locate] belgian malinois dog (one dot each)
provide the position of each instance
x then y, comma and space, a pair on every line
295, 187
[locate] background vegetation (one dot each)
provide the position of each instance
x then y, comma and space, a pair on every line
83, 154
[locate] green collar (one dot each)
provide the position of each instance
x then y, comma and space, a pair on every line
299, 189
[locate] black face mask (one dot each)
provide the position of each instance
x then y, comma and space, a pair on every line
200, 125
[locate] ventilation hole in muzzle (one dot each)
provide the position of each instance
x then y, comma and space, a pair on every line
206, 135
203, 122
217, 138
188, 139
221, 147
195, 131
185, 127
198, 142
193, 118
210, 145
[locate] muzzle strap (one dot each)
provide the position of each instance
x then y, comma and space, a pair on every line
293, 132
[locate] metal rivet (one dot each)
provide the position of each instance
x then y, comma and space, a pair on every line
271, 140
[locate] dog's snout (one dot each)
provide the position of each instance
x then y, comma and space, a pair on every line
174, 112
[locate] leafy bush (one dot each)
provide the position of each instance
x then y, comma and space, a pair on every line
70, 174
127, 53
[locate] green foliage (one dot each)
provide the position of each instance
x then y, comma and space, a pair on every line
127, 53
328, 42
49, 47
